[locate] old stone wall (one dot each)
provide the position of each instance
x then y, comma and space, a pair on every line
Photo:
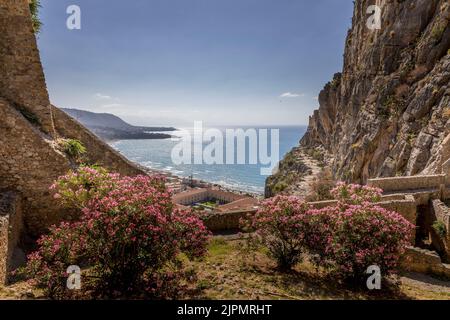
10, 231
22, 80
403, 204
424, 261
402, 184
442, 214
30, 125
29, 164
98, 151
227, 221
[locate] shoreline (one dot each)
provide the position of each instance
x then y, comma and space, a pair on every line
198, 182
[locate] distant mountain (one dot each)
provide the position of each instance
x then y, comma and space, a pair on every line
110, 127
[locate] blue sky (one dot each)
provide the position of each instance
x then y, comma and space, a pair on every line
172, 62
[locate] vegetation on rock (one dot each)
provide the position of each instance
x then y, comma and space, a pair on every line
73, 148
34, 8
440, 228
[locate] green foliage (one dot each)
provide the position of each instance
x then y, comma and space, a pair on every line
73, 148
34, 8
77, 188
440, 228
128, 240
280, 187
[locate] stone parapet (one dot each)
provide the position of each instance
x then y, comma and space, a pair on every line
410, 183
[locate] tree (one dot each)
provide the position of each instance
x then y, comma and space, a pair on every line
34, 8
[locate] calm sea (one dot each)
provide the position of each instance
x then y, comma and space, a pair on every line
156, 154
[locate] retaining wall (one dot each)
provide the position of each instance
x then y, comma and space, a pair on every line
10, 231
402, 184
227, 221
424, 261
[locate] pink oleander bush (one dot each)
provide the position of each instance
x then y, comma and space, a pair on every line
77, 188
353, 194
365, 235
62, 247
345, 239
281, 225
129, 238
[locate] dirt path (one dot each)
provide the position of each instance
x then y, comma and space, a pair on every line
301, 188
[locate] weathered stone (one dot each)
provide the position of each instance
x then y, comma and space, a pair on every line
29, 125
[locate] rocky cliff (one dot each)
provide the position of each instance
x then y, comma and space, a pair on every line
387, 113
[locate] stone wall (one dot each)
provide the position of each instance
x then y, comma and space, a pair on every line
424, 261
10, 231
22, 79
29, 164
30, 126
403, 204
402, 184
98, 151
442, 214
227, 221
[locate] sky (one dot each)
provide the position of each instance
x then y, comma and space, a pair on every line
173, 62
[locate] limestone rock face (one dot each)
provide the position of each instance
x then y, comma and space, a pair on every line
388, 112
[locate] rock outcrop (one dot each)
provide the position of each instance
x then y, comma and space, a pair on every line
30, 126
388, 112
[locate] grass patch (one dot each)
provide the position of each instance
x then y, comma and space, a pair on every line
232, 272
219, 247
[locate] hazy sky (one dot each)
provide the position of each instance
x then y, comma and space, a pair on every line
171, 62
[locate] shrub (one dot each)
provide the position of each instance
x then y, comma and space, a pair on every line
129, 238
365, 235
73, 148
58, 250
345, 239
77, 188
34, 9
354, 194
280, 225
440, 228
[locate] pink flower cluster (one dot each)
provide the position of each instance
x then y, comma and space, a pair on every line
130, 236
345, 239
348, 194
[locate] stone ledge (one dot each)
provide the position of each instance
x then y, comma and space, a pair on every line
424, 261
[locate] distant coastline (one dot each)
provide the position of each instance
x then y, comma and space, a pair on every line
112, 128
155, 155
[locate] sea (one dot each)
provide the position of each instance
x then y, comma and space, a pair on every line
157, 155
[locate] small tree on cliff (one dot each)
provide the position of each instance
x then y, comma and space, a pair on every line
34, 8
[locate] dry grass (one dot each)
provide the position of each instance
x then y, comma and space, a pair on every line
231, 271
